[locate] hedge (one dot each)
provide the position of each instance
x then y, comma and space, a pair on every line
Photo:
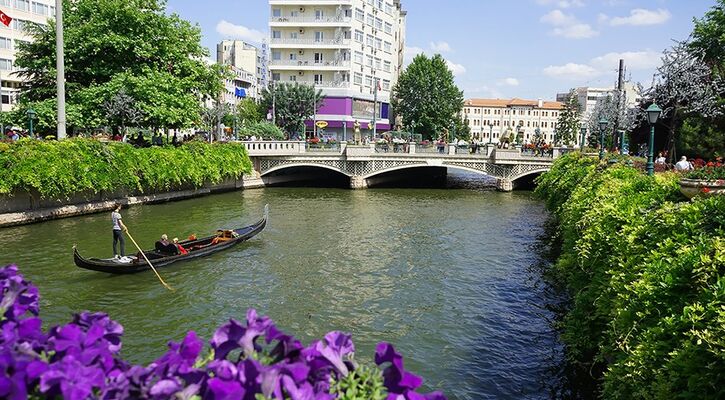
646, 272
60, 169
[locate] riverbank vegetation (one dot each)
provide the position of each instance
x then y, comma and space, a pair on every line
61, 169
252, 359
646, 274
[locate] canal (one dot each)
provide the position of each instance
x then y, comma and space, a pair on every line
450, 276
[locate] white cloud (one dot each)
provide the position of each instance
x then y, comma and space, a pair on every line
229, 30
641, 16
561, 3
557, 18
567, 25
441, 47
483, 91
457, 69
509, 82
571, 71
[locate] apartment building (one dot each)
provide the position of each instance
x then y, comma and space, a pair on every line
489, 118
22, 12
588, 97
248, 66
345, 48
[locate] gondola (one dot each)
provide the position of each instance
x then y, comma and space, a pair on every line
223, 240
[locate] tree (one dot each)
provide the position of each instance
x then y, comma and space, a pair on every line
248, 111
567, 126
293, 105
263, 130
134, 45
121, 111
212, 117
611, 108
427, 96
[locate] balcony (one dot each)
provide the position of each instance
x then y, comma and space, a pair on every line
309, 65
309, 2
309, 43
310, 21
325, 84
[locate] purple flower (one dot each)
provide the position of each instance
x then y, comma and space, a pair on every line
71, 379
330, 352
287, 346
112, 330
18, 295
242, 381
233, 335
400, 383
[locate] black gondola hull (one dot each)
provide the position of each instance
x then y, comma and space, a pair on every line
112, 266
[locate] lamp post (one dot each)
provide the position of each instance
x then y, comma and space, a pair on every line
653, 114
602, 126
490, 131
583, 137
31, 116
412, 130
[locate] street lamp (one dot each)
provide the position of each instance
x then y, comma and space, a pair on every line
653, 114
412, 130
490, 131
583, 138
602, 126
31, 116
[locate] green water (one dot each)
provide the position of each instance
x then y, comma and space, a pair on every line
444, 274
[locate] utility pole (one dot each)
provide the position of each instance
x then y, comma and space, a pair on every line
375, 109
619, 97
60, 68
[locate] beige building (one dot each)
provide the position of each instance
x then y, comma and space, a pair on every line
345, 48
245, 57
488, 118
22, 12
588, 97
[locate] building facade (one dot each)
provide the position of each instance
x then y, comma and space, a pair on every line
22, 12
489, 118
588, 97
248, 65
345, 48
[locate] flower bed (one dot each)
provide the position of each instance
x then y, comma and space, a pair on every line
707, 179
250, 360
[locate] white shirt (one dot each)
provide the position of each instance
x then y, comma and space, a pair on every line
683, 165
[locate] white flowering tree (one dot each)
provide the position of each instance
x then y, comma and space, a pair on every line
612, 108
683, 84
567, 126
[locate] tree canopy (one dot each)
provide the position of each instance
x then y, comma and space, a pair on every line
293, 105
427, 97
567, 126
119, 46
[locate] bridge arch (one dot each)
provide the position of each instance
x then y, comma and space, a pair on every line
304, 164
537, 171
426, 165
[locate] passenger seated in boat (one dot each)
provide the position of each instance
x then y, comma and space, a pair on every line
163, 246
181, 248
223, 235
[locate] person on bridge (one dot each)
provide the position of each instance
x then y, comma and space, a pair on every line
118, 229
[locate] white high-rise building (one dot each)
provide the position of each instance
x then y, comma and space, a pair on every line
588, 97
22, 12
248, 65
344, 48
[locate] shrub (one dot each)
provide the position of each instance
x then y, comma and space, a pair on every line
249, 360
60, 169
645, 272
263, 130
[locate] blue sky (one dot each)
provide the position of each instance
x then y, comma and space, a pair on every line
505, 48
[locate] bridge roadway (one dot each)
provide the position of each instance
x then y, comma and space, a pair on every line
362, 162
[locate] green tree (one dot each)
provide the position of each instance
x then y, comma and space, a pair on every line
130, 46
567, 126
263, 130
248, 111
427, 96
292, 104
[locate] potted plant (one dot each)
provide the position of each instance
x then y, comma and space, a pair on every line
708, 180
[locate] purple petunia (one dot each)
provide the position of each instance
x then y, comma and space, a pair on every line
400, 383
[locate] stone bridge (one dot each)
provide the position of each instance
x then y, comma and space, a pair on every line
360, 163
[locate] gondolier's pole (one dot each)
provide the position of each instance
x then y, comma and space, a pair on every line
147, 260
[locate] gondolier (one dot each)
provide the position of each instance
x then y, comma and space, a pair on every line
118, 229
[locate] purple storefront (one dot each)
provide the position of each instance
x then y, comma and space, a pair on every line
340, 114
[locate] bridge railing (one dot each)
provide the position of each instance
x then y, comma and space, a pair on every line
274, 148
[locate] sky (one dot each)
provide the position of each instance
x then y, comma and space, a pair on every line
504, 48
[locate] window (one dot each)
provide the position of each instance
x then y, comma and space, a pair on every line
358, 57
371, 20
386, 66
7, 3
293, 35
5, 43
293, 57
318, 58
6, 65
275, 76
387, 46
319, 14
368, 80
319, 36
276, 12
371, 2
378, 23
359, 15
378, 43
276, 55
388, 27
386, 84
369, 60
41, 9
293, 78
276, 34
370, 40
18, 24
380, 4
318, 78
377, 63
358, 78
388, 8
359, 36
23, 5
